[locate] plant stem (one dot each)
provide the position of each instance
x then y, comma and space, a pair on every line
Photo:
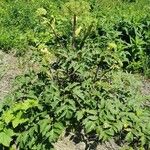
86, 35
56, 36
97, 70
73, 31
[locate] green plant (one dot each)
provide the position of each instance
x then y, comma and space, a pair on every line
78, 85
78, 20
74, 91
25, 123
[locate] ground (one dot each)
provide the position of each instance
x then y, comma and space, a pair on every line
9, 69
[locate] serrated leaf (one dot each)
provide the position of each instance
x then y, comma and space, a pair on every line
18, 120
143, 140
77, 32
59, 125
118, 125
78, 92
29, 103
89, 126
110, 117
106, 125
5, 139
93, 118
68, 114
53, 135
61, 109
80, 115
8, 116
1, 125
43, 124
41, 11
9, 132
23, 137
99, 131
129, 137
46, 129
93, 112
110, 132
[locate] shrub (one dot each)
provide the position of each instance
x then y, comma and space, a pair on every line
73, 90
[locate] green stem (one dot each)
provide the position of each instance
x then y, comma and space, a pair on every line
56, 36
73, 31
85, 36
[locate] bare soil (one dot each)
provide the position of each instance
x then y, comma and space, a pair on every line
8, 71
66, 144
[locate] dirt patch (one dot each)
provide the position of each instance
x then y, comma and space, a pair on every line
67, 144
8, 71
79, 142
145, 89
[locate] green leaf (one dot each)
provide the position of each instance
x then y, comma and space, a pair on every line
89, 126
110, 132
9, 132
8, 116
93, 118
45, 124
46, 129
93, 112
29, 103
129, 137
1, 125
68, 114
18, 119
80, 114
53, 135
59, 125
5, 139
41, 12
143, 140
118, 125
17, 106
61, 109
110, 117
78, 92
106, 125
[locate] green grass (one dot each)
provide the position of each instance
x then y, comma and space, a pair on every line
18, 17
